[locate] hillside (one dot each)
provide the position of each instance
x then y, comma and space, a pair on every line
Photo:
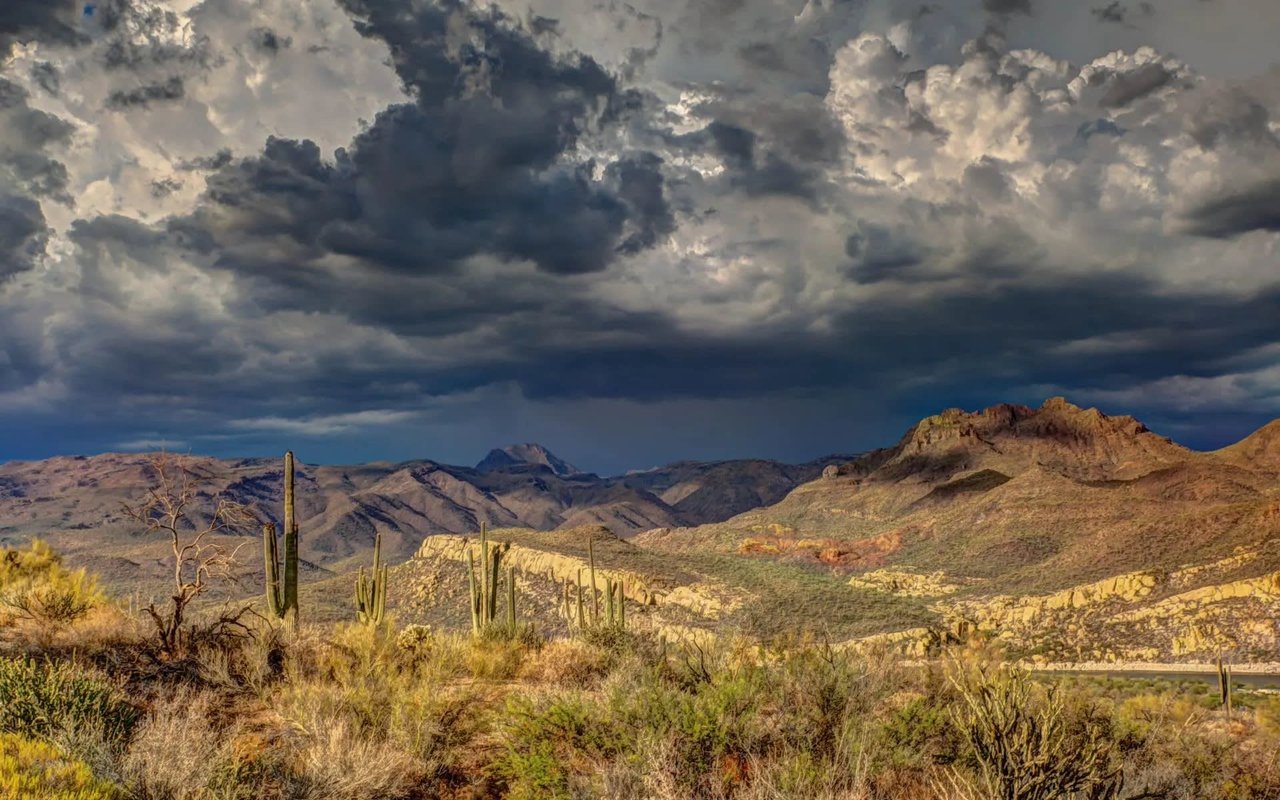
1033, 509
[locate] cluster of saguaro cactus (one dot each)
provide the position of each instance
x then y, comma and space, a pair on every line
1224, 685
371, 589
484, 585
615, 600
282, 591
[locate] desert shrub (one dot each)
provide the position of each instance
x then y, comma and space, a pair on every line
1027, 743
34, 585
358, 697
341, 760
821, 693
552, 743
699, 737
41, 698
175, 752
34, 560
37, 770
567, 663
495, 659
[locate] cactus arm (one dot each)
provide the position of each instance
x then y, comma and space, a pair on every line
271, 569
475, 591
494, 577
511, 598
380, 609
591, 561
486, 612
290, 598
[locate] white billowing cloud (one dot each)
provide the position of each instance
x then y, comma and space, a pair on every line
1115, 153
158, 93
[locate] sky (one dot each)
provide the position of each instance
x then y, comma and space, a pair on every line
634, 231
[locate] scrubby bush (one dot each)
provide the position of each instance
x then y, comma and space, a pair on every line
34, 585
1028, 743
40, 699
36, 770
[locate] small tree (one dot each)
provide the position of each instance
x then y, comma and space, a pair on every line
170, 509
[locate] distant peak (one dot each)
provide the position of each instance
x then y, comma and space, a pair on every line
518, 455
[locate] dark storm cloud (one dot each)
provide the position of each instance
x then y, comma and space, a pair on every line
992, 328
1252, 208
1229, 117
476, 165
530, 221
164, 187
22, 234
26, 133
1118, 13
877, 255
788, 169
143, 96
640, 185
37, 20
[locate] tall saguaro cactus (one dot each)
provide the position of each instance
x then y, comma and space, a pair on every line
484, 587
371, 590
282, 590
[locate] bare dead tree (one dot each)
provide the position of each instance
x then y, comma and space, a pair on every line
171, 509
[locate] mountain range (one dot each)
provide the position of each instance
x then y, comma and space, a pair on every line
342, 507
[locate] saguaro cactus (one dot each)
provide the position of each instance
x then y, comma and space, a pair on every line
282, 590
484, 588
271, 557
371, 590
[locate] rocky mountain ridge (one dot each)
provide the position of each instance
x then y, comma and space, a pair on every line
342, 507
1025, 499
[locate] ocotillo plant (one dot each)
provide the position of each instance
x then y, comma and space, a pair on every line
484, 589
371, 590
282, 595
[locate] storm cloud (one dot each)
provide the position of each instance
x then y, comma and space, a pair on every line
405, 228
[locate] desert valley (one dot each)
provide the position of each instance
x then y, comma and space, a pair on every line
1066, 534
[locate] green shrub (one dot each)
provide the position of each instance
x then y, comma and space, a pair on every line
36, 770
549, 742
41, 699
